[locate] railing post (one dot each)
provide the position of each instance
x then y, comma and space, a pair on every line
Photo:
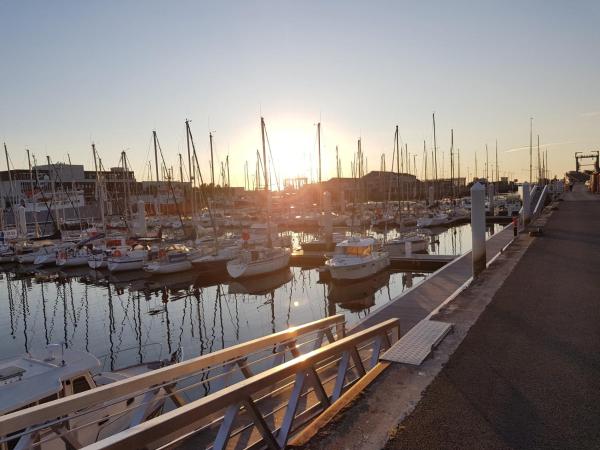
526, 203
478, 228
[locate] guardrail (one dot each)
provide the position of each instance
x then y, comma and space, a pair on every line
171, 428
228, 360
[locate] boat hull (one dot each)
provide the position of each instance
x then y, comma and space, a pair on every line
115, 265
360, 270
241, 269
74, 261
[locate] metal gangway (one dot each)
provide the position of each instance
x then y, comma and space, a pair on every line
252, 395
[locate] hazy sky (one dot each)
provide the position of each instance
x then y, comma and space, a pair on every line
112, 71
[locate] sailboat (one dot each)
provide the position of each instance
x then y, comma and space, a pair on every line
260, 261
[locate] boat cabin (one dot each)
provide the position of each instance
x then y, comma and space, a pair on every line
355, 247
52, 373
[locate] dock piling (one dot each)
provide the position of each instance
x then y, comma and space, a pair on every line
526, 203
478, 227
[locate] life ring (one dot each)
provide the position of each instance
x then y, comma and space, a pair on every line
116, 253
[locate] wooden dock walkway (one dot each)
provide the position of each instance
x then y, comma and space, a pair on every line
416, 304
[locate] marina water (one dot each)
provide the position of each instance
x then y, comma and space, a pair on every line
134, 317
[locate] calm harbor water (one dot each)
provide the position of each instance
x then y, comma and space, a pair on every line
132, 317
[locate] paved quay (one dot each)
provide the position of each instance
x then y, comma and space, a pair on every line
527, 374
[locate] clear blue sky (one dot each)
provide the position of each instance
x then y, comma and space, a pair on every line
112, 71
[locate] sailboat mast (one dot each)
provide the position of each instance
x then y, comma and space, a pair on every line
452, 161
319, 147
266, 173
530, 149
12, 192
212, 161
497, 174
434, 153
157, 203
487, 176
191, 171
539, 162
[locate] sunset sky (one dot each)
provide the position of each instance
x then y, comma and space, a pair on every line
112, 71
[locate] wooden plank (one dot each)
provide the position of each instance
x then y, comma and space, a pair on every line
25, 418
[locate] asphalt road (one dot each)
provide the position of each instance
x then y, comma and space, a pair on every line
528, 373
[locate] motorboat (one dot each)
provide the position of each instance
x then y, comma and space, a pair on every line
56, 372
258, 261
171, 259
355, 259
416, 242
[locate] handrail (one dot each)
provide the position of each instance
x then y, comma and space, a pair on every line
540, 203
39, 414
178, 422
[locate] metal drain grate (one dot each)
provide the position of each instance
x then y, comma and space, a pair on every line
417, 344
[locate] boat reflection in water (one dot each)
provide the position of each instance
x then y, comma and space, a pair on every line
260, 285
359, 295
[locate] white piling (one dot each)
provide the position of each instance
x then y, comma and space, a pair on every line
526, 198
478, 227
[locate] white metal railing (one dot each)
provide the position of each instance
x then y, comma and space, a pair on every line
226, 362
540, 203
309, 371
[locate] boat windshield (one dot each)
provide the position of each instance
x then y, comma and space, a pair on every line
357, 250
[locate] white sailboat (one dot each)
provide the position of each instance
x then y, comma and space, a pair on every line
258, 262
354, 259
261, 261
